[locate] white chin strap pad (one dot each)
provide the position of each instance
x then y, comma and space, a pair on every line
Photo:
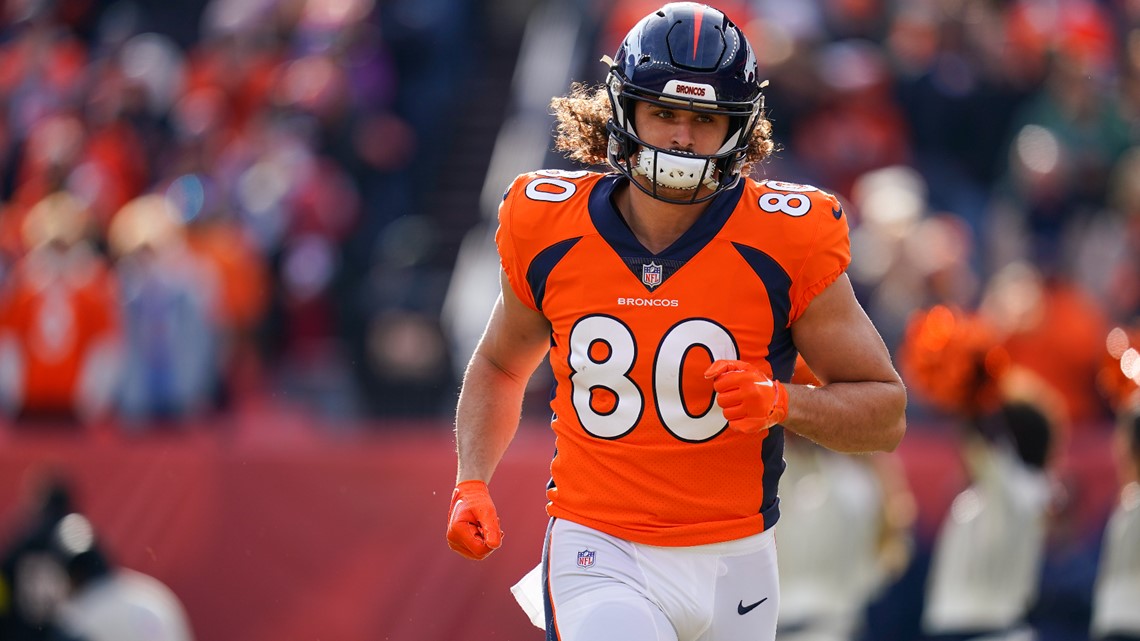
675, 172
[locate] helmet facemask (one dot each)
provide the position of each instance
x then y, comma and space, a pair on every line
675, 170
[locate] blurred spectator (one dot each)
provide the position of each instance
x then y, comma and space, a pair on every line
959, 79
1026, 328
904, 255
1065, 139
1117, 591
167, 299
856, 126
1117, 587
407, 355
43, 164
108, 603
31, 583
59, 321
1052, 328
120, 114
844, 535
1106, 247
59, 584
240, 302
953, 362
989, 552
406, 350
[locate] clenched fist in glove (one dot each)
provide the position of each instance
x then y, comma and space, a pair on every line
750, 400
472, 522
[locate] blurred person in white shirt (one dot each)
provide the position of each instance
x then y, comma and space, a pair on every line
844, 535
986, 569
108, 603
1116, 595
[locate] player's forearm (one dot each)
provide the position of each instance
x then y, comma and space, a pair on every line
849, 417
486, 419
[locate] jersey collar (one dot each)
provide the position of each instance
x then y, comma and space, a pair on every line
619, 236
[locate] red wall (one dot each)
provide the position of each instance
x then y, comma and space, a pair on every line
270, 529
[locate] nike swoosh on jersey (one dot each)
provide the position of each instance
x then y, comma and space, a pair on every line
742, 609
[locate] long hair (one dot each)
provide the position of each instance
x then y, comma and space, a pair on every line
581, 132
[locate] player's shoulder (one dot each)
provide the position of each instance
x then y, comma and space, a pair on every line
791, 200
548, 201
542, 208
551, 186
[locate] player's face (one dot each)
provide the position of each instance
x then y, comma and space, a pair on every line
678, 132
678, 129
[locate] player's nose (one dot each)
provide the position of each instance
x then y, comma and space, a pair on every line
682, 135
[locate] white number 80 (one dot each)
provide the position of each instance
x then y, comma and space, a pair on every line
602, 353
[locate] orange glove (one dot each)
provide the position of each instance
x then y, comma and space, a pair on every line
472, 522
750, 400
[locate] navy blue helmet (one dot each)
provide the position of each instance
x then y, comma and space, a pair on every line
690, 56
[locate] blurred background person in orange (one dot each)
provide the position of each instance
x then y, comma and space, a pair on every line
989, 551
60, 328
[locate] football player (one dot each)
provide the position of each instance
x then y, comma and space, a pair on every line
672, 295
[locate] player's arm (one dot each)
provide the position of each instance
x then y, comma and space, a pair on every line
861, 405
513, 345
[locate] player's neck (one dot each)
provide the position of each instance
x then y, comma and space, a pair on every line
656, 224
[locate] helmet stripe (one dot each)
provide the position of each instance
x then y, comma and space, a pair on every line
697, 16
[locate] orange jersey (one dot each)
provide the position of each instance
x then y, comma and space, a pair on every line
643, 452
57, 312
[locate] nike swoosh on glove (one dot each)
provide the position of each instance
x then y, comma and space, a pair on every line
472, 523
750, 400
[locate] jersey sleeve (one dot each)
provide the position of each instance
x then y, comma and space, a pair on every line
827, 255
513, 263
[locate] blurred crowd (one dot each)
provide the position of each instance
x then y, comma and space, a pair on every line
204, 200
986, 152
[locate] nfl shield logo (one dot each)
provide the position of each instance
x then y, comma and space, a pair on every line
586, 559
651, 275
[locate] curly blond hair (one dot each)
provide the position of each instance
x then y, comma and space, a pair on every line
581, 133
